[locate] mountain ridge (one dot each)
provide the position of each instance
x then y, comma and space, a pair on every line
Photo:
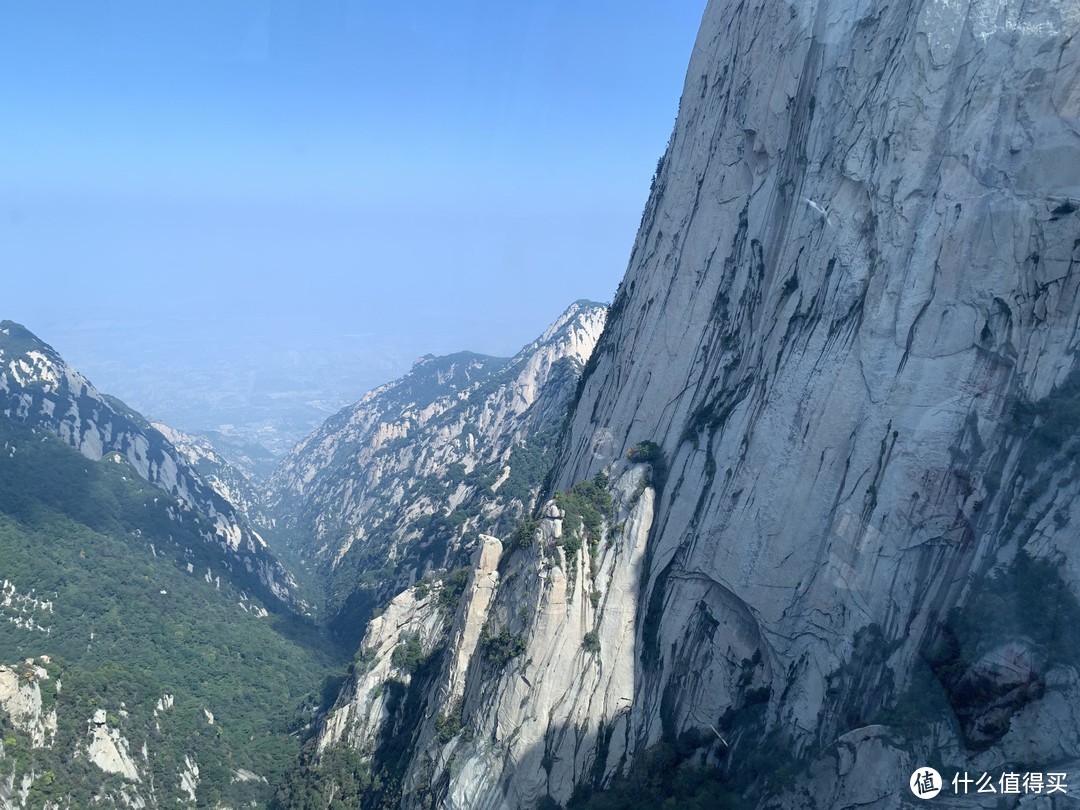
38, 388
178, 684
824, 450
401, 481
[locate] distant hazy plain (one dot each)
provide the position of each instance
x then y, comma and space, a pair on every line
247, 214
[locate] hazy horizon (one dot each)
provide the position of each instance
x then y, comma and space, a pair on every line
192, 181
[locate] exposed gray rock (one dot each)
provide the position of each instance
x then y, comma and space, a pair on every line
38, 388
458, 446
846, 345
859, 258
225, 478
20, 700
361, 709
189, 780
109, 750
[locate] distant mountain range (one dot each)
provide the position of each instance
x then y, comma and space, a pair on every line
39, 389
147, 530
794, 518
265, 392
815, 514
130, 579
405, 480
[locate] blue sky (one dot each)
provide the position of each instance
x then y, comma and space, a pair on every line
452, 174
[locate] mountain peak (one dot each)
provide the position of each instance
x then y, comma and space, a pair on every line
39, 389
465, 439
17, 339
838, 389
9, 327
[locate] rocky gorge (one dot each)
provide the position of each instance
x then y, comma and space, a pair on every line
794, 516
404, 481
833, 414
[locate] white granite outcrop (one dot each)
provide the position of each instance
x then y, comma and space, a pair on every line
851, 308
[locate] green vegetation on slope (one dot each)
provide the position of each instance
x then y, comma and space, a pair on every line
129, 624
1026, 604
586, 504
664, 777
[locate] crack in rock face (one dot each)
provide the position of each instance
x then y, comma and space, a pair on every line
859, 255
844, 350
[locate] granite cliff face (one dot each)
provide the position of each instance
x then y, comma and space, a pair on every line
403, 480
38, 388
236, 485
843, 364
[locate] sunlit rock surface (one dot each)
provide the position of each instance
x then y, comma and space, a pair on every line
404, 479
20, 700
229, 481
38, 388
849, 326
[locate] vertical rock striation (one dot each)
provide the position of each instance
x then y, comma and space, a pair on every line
846, 347
858, 266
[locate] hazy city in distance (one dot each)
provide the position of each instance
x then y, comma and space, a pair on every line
241, 217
